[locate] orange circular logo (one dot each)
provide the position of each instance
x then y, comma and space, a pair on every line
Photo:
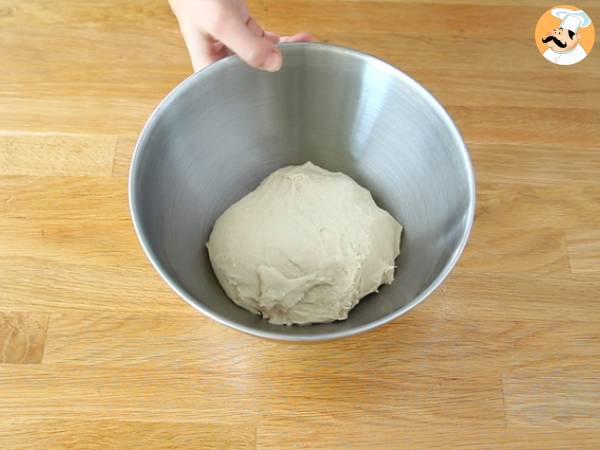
565, 35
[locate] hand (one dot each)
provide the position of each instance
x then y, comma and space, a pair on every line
213, 29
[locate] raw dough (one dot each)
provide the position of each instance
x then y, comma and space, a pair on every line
304, 247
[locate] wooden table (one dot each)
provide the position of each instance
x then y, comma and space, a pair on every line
97, 352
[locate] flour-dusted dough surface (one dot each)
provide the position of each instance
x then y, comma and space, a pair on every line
304, 247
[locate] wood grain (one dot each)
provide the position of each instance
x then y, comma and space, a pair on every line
123, 153
29, 284
42, 154
81, 198
97, 352
584, 250
561, 400
22, 337
527, 296
506, 250
565, 166
103, 434
276, 433
107, 340
163, 394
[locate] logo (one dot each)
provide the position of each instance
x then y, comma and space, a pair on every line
565, 35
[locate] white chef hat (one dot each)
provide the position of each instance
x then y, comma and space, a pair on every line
570, 19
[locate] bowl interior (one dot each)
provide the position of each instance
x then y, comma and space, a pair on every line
224, 129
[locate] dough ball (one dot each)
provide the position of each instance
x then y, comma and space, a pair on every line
304, 247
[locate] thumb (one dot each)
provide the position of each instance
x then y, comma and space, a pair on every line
257, 51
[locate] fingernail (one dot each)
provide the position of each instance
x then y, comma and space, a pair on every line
273, 61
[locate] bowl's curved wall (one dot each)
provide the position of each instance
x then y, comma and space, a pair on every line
224, 129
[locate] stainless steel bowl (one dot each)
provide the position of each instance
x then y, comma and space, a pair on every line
225, 128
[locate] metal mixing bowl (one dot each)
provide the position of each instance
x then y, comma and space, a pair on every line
225, 128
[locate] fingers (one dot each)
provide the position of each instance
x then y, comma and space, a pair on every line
298, 37
247, 39
257, 30
257, 50
204, 50
213, 29
254, 27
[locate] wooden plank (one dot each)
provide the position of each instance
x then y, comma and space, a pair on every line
62, 13
130, 13
123, 154
75, 241
32, 284
76, 91
332, 433
555, 348
102, 434
530, 207
81, 198
540, 126
56, 154
482, 87
563, 401
427, 340
584, 250
79, 72
536, 164
409, 345
535, 297
22, 337
516, 250
217, 396
84, 116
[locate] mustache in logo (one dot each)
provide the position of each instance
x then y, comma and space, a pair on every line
556, 41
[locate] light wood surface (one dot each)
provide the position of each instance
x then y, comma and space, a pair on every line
96, 351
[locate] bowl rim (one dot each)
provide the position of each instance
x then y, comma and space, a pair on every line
182, 292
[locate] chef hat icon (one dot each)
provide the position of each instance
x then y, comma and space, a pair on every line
570, 19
